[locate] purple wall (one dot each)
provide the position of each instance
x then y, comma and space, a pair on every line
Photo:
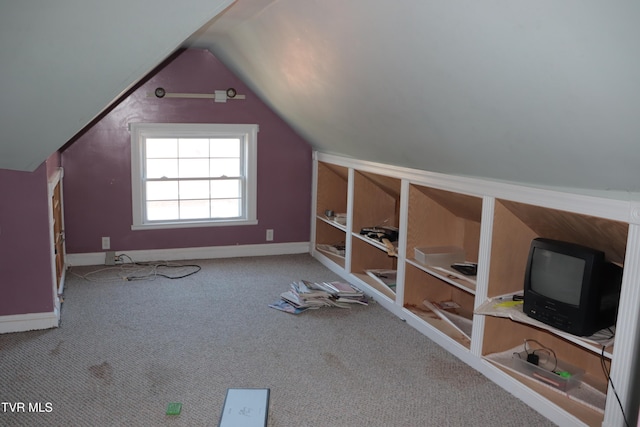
97, 182
26, 281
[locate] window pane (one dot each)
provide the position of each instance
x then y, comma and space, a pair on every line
225, 147
194, 209
194, 168
161, 148
225, 208
224, 189
187, 167
162, 190
162, 168
157, 211
194, 190
193, 147
225, 167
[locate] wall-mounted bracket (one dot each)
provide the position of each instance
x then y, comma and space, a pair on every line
218, 96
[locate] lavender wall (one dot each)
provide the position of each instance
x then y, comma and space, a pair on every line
26, 281
97, 184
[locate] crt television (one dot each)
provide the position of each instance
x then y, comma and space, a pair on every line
571, 287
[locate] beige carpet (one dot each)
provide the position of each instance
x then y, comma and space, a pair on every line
126, 349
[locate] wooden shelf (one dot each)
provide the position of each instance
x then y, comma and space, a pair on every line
494, 224
439, 324
332, 188
377, 285
376, 201
517, 224
331, 194
466, 283
502, 334
330, 234
381, 246
366, 256
332, 223
443, 218
586, 414
421, 285
603, 339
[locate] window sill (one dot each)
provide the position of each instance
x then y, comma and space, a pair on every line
194, 224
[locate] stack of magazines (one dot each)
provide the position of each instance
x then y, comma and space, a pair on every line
304, 295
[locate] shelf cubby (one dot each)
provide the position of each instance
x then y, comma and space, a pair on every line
506, 334
365, 256
376, 201
437, 219
515, 225
421, 286
328, 234
443, 218
332, 189
331, 194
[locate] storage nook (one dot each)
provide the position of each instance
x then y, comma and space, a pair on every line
514, 226
443, 227
442, 220
376, 212
330, 212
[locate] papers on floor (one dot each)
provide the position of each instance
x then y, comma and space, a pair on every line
304, 295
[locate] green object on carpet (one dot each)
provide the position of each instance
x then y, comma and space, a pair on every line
174, 408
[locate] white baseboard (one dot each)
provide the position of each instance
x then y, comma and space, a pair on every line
29, 322
98, 258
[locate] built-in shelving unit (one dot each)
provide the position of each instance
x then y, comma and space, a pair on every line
491, 224
57, 236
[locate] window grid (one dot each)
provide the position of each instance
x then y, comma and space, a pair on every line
181, 201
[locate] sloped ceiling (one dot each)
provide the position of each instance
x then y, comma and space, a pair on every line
63, 62
540, 92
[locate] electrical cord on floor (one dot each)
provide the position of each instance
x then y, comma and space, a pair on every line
606, 373
132, 271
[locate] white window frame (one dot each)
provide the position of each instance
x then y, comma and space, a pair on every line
140, 131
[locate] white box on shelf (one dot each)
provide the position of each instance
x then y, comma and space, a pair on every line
439, 255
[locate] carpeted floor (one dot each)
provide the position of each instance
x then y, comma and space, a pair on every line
125, 349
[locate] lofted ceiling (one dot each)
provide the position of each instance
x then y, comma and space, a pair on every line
63, 62
544, 93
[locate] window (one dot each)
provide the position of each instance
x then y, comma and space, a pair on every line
193, 175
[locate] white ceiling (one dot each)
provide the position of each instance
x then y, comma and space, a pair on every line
64, 61
544, 92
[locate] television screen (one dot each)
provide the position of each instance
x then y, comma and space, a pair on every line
557, 276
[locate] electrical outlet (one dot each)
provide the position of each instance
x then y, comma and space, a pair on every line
106, 243
269, 235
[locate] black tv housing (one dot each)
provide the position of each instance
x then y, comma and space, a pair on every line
571, 287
